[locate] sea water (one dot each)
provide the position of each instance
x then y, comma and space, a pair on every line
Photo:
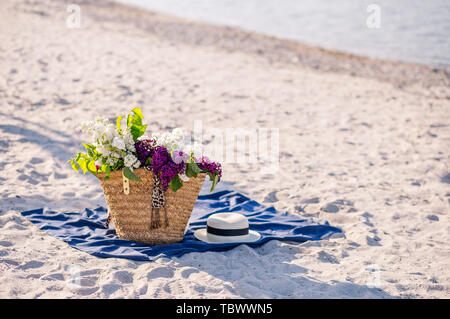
407, 30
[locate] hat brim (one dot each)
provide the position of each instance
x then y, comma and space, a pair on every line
203, 235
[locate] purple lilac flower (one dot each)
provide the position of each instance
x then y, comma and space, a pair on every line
164, 167
206, 165
145, 149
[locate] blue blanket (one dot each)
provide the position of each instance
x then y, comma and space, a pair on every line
86, 231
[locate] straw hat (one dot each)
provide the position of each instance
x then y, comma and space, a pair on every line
227, 228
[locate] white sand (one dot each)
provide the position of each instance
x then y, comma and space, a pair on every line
377, 140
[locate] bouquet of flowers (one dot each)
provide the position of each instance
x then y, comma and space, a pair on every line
126, 147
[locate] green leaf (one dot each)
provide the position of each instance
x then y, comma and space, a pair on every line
119, 120
74, 165
129, 118
89, 146
175, 183
134, 122
138, 112
214, 179
128, 173
148, 161
192, 170
92, 168
108, 172
118, 165
214, 183
82, 163
137, 130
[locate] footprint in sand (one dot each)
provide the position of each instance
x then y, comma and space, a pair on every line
88, 281
90, 272
373, 241
33, 177
327, 258
60, 176
10, 262
330, 208
162, 272
54, 277
199, 289
367, 217
36, 160
32, 265
143, 290
433, 218
337, 205
271, 197
86, 291
27, 178
313, 200
124, 277
175, 289
187, 272
83, 283
446, 179
109, 289
69, 194
5, 243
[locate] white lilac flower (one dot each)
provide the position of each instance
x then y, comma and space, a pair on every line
129, 141
97, 132
111, 161
86, 127
169, 140
116, 155
110, 133
104, 150
130, 160
102, 120
178, 133
119, 143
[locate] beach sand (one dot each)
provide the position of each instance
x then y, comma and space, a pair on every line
364, 144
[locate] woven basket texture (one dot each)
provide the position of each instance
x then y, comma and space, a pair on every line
131, 213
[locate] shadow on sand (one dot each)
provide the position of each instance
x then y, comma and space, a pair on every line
270, 271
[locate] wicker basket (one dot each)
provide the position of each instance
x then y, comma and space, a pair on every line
131, 213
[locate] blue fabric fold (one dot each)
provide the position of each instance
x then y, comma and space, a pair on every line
85, 231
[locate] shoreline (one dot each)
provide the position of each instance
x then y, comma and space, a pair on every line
276, 49
329, 50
